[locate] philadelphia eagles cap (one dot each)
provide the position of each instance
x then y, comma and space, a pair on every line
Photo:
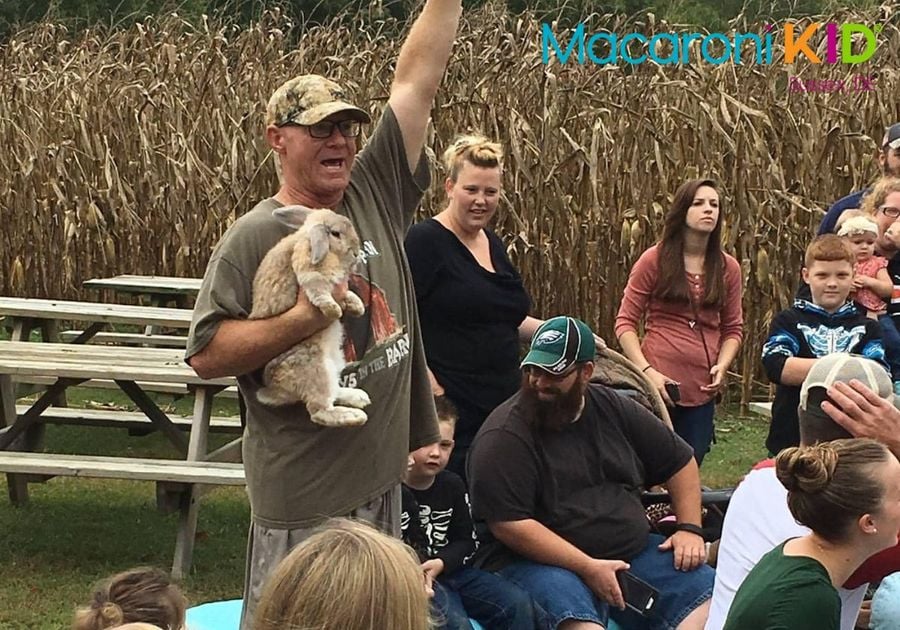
559, 343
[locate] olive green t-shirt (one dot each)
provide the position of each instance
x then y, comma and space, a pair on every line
298, 472
785, 593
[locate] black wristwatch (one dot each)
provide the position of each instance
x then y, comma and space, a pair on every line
689, 527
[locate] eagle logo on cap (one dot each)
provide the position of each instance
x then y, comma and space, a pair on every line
547, 337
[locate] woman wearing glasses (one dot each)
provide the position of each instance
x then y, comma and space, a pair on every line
883, 205
473, 307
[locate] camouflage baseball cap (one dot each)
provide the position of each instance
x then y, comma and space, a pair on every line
308, 99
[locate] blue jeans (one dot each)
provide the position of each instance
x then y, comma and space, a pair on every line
495, 603
563, 596
695, 426
890, 339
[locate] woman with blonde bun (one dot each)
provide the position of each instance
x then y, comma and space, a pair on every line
473, 307
347, 577
848, 493
137, 596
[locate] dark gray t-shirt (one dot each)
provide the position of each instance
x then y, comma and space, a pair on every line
298, 472
582, 482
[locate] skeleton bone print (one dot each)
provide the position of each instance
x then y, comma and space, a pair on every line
435, 524
825, 340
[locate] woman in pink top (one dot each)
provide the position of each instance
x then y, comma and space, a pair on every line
688, 293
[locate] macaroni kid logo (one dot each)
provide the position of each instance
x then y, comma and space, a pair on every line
606, 48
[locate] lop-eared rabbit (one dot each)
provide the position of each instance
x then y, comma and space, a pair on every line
316, 258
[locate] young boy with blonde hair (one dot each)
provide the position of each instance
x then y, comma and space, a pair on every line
436, 522
813, 328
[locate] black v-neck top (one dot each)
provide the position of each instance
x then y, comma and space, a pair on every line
469, 315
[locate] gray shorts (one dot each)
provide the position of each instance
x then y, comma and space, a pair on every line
267, 547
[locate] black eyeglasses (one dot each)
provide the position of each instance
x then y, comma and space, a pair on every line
890, 211
324, 129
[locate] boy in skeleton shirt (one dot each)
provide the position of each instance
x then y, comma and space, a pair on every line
436, 522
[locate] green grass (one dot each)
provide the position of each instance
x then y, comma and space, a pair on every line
740, 443
77, 531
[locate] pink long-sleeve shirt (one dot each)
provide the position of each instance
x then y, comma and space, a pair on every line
671, 344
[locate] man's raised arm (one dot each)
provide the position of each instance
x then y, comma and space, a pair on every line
420, 66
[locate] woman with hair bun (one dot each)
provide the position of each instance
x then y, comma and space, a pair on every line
473, 307
848, 493
142, 595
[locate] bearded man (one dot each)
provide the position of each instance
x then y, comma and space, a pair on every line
888, 158
556, 473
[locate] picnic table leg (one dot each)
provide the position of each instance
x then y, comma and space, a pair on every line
50, 334
21, 331
157, 301
37, 433
160, 420
187, 526
17, 485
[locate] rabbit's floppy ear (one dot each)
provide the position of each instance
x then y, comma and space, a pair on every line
318, 242
292, 216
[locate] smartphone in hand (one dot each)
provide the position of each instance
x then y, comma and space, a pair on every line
673, 392
638, 595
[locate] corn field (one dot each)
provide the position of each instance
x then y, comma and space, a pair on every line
131, 151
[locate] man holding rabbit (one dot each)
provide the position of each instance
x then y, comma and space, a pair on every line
300, 473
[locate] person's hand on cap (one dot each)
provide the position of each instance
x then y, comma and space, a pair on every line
864, 413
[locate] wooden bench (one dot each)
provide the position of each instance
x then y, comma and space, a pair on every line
161, 289
168, 470
72, 364
131, 420
174, 389
128, 339
23, 309
179, 484
23, 315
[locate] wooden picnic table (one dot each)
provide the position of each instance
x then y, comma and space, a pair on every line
161, 289
70, 364
26, 314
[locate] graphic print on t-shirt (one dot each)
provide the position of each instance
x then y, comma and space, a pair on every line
435, 525
826, 340
373, 341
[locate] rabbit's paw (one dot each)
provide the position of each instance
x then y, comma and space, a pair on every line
353, 305
340, 417
352, 397
329, 307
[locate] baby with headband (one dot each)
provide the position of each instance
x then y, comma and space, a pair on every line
871, 283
